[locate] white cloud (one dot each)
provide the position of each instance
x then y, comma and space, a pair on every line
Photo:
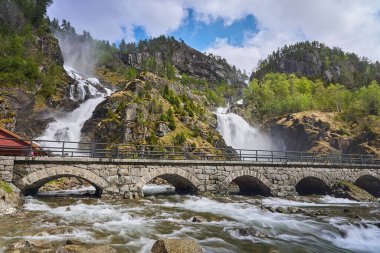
350, 24
105, 19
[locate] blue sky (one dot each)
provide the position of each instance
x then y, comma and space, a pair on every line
242, 31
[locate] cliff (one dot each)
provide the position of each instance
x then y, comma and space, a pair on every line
317, 131
315, 60
32, 78
152, 110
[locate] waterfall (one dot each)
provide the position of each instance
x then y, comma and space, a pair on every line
68, 127
239, 134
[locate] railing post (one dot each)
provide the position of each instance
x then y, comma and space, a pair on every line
361, 158
286, 156
92, 149
30, 152
257, 157
63, 148
240, 154
272, 155
350, 159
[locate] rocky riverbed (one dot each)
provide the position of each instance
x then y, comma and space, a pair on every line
222, 224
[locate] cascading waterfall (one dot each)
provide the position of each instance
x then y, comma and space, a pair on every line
68, 126
239, 134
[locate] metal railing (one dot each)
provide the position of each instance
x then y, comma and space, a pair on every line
17, 147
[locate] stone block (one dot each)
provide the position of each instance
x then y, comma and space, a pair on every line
113, 180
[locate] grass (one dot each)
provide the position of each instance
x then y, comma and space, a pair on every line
5, 187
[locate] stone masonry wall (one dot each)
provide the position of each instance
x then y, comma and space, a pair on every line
6, 168
127, 177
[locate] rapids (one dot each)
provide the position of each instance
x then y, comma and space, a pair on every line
133, 226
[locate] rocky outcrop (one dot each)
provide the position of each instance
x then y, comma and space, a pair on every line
317, 131
176, 246
315, 60
250, 231
153, 110
185, 59
348, 190
10, 201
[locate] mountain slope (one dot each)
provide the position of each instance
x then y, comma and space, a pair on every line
152, 110
316, 61
32, 78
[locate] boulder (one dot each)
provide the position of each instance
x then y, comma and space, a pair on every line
250, 231
24, 244
345, 189
172, 245
280, 210
55, 231
9, 200
162, 130
197, 219
83, 249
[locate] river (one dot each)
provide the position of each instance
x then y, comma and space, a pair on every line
134, 225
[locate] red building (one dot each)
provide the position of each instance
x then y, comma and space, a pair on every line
13, 144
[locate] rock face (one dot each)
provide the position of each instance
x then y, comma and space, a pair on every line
317, 131
9, 200
153, 110
176, 246
315, 60
344, 189
185, 59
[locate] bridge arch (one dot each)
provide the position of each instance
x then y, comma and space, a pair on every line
369, 182
249, 182
183, 181
30, 183
309, 183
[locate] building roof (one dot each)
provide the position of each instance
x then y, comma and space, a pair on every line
18, 137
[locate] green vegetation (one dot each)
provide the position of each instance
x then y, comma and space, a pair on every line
179, 139
5, 187
278, 94
315, 61
23, 63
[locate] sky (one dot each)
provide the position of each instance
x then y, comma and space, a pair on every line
242, 31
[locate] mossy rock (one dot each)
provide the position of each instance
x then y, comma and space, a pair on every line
345, 189
5, 187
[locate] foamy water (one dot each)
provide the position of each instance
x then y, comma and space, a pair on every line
68, 126
135, 225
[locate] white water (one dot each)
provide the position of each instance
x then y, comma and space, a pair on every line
140, 225
67, 127
239, 134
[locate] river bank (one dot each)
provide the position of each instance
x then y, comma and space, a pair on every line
223, 224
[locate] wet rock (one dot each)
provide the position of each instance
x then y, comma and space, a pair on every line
346, 210
250, 231
294, 209
68, 209
10, 202
280, 210
343, 232
24, 244
101, 249
197, 219
345, 189
55, 231
83, 249
171, 245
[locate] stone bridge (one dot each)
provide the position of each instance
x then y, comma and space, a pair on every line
126, 177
